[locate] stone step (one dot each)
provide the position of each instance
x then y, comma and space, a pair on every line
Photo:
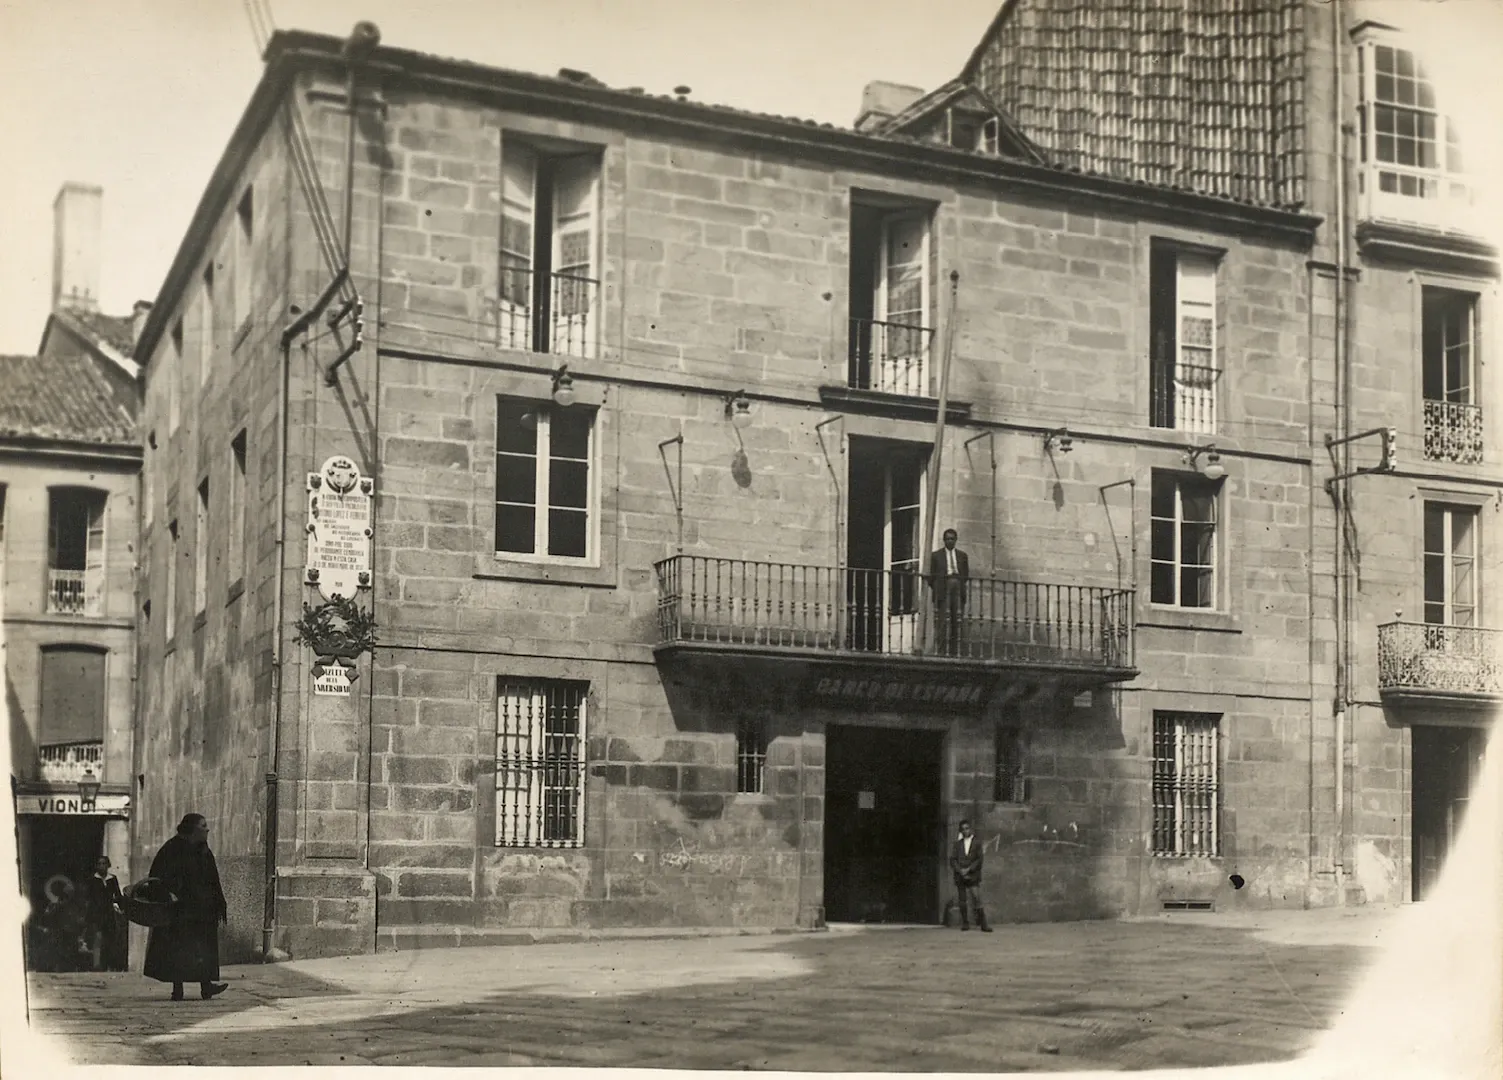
431, 936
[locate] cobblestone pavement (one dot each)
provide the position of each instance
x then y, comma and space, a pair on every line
1182, 990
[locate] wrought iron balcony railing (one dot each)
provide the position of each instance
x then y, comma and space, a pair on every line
66, 763
1453, 432
548, 313
1420, 658
1183, 397
74, 592
890, 357
739, 602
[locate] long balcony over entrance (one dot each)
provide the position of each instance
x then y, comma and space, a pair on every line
742, 606
1433, 662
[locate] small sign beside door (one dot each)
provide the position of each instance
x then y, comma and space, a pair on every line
334, 679
866, 800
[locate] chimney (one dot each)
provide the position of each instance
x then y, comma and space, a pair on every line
76, 214
138, 316
881, 101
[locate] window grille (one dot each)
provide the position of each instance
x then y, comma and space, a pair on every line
1186, 784
751, 756
540, 741
1011, 773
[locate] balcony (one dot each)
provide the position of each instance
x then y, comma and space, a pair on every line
889, 357
548, 313
66, 763
1453, 432
75, 592
1426, 662
744, 607
1183, 397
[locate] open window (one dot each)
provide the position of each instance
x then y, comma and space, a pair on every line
892, 325
75, 551
550, 277
1448, 343
1182, 325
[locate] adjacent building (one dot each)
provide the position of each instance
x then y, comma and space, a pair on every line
69, 468
632, 422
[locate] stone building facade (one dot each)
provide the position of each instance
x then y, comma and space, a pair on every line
69, 471
646, 407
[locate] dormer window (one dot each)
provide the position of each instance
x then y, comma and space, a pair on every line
966, 129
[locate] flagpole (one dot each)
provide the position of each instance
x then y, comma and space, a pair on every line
935, 457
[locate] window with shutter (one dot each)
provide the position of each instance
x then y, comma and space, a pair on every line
72, 695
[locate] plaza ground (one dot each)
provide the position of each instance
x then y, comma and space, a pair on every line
1187, 989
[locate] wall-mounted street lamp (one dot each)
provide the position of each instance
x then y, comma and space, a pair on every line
88, 788
738, 410
1206, 461
563, 387
1059, 438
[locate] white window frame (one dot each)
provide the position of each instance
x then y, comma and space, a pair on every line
169, 614
1451, 562
522, 162
245, 238
201, 549
1450, 193
1186, 797
237, 546
206, 325
1178, 521
912, 379
542, 416
1193, 384
523, 757
175, 379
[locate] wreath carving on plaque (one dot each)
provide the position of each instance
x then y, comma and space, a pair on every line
338, 630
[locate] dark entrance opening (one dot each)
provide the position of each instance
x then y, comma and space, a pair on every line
1445, 763
884, 826
57, 858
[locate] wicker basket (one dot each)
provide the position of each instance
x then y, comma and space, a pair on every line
149, 903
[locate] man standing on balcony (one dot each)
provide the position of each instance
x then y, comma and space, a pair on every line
949, 571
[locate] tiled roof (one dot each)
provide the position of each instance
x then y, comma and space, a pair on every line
116, 331
68, 395
1195, 97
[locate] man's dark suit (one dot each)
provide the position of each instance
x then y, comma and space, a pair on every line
965, 868
949, 597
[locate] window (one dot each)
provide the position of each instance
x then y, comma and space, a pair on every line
201, 551
549, 266
206, 326
148, 465
1186, 783
1412, 153
1450, 565
244, 251
1011, 761
890, 334
751, 756
1182, 345
236, 569
170, 597
72, 695
1183, 552
174, 376
1448, 334
540, 743
543, 481
75, 551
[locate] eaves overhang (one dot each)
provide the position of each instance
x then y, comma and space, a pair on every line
294, 51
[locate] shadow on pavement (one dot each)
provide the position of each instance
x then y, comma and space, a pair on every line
1039, 997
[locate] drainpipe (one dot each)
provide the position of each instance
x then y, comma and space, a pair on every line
296, 327
1344, 394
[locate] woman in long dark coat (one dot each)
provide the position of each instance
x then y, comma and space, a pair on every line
187, 949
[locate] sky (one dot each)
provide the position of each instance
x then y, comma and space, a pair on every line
140, 96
